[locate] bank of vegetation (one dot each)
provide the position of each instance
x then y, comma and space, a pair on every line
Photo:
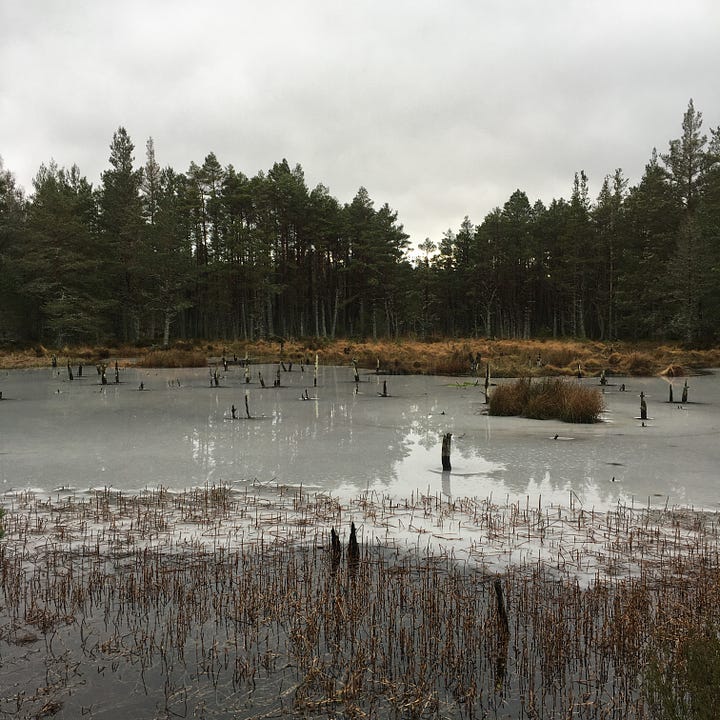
468, 357
153, 255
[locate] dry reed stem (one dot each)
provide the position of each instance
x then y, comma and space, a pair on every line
232, 592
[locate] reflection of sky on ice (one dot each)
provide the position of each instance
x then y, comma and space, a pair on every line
347, 439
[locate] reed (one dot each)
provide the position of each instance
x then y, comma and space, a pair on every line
228, 601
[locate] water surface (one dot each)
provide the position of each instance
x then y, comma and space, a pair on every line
179, 432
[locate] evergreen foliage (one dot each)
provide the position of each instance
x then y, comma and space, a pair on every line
153, 255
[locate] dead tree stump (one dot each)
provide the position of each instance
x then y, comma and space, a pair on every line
335, 548
445, 455
503, 625
353, 547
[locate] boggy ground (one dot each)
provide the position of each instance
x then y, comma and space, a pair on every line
507, 358
162, 606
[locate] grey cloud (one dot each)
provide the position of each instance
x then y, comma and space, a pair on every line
441, 109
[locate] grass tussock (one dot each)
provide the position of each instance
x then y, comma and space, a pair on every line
173, 359
548, 399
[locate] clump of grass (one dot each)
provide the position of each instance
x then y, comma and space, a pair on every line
548, 399
639, 363
683, 677
173, 359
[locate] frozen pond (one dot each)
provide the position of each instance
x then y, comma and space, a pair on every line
178, 432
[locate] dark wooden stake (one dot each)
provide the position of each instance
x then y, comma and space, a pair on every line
670, 395
503, 624
335, 548
447, 440
353, 547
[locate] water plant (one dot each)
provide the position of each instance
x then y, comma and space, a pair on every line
218, 602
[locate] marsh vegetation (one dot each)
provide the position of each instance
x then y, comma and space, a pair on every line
213, 603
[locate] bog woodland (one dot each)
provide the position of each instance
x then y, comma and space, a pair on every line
154, 254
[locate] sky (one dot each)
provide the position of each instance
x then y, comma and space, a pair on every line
439, 108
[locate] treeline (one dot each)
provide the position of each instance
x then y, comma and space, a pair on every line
152, 255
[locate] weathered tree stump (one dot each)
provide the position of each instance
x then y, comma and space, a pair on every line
353, 547
445, 455
501, 654
335, 548
503, 625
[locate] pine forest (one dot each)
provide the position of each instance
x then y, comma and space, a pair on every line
152, 255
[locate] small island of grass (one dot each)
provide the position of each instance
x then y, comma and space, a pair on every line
548, 399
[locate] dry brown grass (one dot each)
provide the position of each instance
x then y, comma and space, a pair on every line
234, 595
507, 358
173, 359
548, 399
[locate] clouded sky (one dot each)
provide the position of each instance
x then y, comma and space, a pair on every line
440, 108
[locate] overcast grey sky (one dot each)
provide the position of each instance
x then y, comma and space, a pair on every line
440, 109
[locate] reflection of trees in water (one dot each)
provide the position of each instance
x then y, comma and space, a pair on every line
182, 434
338, 438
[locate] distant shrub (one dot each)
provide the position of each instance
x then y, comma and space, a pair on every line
173, 359
548, 399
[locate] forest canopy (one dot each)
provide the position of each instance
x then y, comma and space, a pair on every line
152, 255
